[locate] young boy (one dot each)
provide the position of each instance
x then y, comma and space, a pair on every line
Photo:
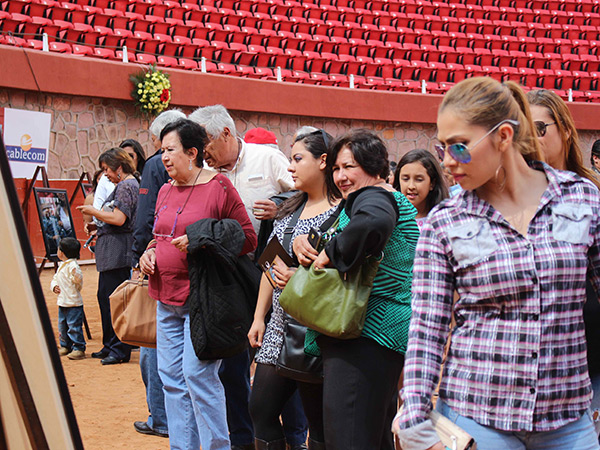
67, 283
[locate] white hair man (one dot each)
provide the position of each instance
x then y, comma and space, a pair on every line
258, 172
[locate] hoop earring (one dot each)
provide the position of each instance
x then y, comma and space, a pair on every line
503, 184
190, 166
119, 176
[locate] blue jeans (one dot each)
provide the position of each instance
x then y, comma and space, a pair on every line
155, 397
595, 407
577, 435
235, 376
194, 395
70, 327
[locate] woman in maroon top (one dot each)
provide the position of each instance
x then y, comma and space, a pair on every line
194, 395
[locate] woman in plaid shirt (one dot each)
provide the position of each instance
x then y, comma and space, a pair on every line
516, 246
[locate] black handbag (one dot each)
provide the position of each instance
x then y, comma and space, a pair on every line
293, 362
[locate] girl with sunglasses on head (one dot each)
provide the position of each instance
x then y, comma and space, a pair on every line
420, 178
560, 143
516, 245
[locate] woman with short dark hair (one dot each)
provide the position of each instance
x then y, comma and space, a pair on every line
361, 375
194, 395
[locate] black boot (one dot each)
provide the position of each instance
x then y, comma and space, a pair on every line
271, 445
315, 445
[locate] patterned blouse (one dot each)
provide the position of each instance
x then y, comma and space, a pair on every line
517, 360
273, 338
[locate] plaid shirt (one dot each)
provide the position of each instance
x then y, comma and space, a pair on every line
517, 359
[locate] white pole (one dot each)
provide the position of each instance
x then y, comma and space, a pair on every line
570, 94
45, 46
423, 87
203, 64
279, 78
125, 55
351, 81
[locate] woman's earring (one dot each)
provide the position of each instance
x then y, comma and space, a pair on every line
119, 175
500, 185
190, 166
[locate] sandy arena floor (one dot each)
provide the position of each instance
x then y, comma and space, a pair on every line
107, 399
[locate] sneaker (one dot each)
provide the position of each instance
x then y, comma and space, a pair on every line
63, 351
76, 354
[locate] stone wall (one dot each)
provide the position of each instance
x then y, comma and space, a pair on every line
84, 127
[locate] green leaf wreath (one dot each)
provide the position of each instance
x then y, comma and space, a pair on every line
151, 91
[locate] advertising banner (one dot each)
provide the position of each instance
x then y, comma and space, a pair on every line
27, 138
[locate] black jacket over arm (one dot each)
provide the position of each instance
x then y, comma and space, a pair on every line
373, 214
223, 288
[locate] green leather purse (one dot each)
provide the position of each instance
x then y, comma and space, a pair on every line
330, 302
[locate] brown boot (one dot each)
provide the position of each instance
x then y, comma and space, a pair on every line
271, 445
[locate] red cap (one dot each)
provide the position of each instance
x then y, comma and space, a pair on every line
260, 136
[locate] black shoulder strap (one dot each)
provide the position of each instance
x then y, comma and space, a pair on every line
289, 230
331, 219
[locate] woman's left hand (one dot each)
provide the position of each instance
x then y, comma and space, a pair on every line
181, 243
282, 273
322, 261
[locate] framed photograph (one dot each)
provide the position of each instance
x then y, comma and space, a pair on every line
55, 218
36, 410
87, 188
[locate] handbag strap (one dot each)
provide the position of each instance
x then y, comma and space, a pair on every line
289, 230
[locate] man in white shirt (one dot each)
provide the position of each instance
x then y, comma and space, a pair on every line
258, 172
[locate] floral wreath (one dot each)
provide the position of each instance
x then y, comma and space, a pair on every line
151, 91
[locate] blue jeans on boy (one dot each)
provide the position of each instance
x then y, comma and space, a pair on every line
577, 435
155, 397
194, 395
70, 327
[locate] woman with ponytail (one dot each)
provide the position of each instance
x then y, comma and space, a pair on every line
516, 246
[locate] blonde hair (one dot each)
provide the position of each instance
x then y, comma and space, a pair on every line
561, 115
485, 102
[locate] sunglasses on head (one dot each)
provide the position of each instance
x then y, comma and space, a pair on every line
460, 152
540, 127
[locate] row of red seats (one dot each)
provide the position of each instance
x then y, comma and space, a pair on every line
150, 15
509, 50
19, 23
562, 81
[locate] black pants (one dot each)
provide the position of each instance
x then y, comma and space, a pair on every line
359, 393
108, 281
271, 391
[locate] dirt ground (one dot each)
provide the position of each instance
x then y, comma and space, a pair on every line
107, 399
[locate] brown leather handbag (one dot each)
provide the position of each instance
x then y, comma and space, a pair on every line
133, 313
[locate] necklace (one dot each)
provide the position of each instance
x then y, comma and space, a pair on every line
180, 209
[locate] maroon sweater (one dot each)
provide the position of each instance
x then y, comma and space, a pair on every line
216, 199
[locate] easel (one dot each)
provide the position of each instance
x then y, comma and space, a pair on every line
80, 186
46, 184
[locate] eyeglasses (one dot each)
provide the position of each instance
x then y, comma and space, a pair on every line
172, 234
540, 127
460, 152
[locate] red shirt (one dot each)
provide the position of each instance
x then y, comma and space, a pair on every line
216, 199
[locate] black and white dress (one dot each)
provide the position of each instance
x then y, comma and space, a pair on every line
273, 338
